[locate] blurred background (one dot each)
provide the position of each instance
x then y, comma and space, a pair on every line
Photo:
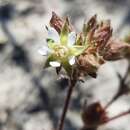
32, 98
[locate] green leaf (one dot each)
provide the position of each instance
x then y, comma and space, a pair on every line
50, 58
64, 32
85, 29
77, 50
79, 40
51, 44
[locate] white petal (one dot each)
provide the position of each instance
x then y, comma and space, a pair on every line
72, 60
54, 64
44, 51
71, 38
53, 34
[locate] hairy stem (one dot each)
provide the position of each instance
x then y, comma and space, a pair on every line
66, 105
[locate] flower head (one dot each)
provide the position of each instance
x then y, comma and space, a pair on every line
61, 47
101, 47
87, 50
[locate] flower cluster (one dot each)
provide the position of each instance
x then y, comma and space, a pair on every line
84, 52
101, 47
62, 49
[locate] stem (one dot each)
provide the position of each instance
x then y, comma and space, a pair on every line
122, 88
112, 101
117, 116
66, 105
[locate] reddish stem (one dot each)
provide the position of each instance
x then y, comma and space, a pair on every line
117, 116
66, 105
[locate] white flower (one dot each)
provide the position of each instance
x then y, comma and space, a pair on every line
58, 51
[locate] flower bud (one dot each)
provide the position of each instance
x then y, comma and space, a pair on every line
56, 22
90, 25
93, 115
116, 49
87, 64
102, 36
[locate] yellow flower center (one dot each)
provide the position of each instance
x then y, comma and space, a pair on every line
60, 51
